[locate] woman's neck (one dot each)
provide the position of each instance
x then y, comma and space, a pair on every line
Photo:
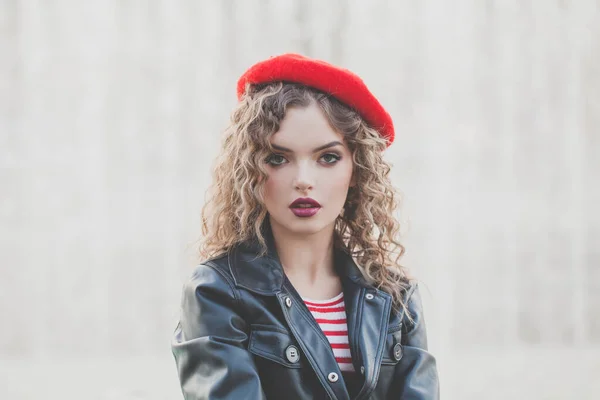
308, 262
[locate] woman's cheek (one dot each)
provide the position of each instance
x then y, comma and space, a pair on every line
274, 190
343, 178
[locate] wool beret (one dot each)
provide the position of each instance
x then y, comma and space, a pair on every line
339, 82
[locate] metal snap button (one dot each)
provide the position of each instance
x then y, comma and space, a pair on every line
288, 302
369, 296
397, 351
292, 354
333, 377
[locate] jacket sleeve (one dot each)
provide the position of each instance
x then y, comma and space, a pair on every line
417, 370
210, 341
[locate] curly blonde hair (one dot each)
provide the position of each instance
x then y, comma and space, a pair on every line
366, 228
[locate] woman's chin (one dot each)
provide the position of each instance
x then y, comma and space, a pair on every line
302, 226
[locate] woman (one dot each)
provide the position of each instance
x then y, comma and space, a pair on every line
300, 294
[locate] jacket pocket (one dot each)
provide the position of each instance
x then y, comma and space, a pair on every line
393, 351
275, 344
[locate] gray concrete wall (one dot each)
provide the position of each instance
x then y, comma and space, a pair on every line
110, 116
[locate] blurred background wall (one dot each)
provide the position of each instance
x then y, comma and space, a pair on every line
110, 118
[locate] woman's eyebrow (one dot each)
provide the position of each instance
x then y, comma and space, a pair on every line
325, 146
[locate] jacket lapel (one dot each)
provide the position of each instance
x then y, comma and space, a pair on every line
368, 311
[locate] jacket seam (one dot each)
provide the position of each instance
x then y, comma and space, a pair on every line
236, 296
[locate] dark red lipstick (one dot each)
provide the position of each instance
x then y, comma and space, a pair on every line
305, 207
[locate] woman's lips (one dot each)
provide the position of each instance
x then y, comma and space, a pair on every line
305, 212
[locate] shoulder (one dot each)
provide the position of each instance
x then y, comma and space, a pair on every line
412, 291
210, 303
211, 276
216, 265
412, 316
412, 300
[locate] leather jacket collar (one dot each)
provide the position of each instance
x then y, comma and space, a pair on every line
264, 275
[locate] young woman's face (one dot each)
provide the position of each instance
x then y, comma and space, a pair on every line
310, 160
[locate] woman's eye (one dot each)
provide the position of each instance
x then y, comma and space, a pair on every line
331, 158
275, 159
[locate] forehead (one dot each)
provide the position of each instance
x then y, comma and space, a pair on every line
304, 128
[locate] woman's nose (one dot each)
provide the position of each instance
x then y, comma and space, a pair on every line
304, 178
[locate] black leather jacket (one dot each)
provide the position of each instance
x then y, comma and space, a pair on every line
240, 315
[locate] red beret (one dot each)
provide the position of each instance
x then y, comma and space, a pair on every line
341, 83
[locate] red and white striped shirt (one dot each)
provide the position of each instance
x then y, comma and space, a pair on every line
331, 316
